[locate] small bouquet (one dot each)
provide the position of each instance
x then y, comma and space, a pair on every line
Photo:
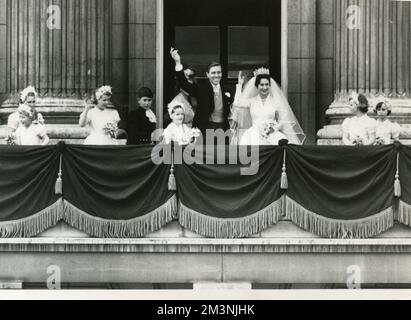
11, 140
111, 129
268, 128
379, 141
194, 134
358, 141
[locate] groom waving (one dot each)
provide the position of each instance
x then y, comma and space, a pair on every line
214, 99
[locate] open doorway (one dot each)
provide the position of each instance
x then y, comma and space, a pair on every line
240, 34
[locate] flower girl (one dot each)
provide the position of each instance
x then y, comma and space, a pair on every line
360, 129
386, 131
177, 131
30, 132
102, 120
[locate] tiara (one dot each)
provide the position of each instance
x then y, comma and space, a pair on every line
102, 90
261, 71
26, 92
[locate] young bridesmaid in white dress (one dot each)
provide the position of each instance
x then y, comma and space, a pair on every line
386, 132
30, 132
102, 120
360, 129
177, 131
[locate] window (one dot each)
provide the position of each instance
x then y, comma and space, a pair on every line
248, 48
199, 46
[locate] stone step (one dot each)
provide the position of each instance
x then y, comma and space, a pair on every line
338, 142
335, 132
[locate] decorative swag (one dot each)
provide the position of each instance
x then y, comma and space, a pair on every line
119, 192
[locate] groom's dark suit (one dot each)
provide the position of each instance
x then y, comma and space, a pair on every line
204, 94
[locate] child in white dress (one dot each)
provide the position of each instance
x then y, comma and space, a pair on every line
29, 132
360, 129
386, 131
177, 131
102, 120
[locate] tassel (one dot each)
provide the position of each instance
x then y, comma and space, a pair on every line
284, 178
397, 183
172, 180
172, 185
59, 182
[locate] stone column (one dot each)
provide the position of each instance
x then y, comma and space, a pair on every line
64, 59
372, 45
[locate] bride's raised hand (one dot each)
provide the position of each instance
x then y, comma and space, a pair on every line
241, 78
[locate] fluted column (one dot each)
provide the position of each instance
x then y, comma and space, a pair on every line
371, 57
66, 62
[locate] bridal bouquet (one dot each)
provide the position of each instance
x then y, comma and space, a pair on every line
111, 129
194, 134
11, 140
268, 128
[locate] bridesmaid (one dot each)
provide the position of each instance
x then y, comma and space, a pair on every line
28, 97
360, 129
386, 131
101, 118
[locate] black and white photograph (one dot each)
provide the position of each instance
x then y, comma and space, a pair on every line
232, 147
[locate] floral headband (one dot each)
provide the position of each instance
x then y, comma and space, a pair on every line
26, 110
383, 100
102, 91
354, 97
173, 106
29, 90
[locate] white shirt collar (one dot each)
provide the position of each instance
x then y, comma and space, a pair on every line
216, 88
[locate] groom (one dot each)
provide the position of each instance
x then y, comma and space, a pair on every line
214, 99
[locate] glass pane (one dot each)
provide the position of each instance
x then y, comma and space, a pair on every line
248, 49
199, 46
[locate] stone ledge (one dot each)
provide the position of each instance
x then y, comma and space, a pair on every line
194, 246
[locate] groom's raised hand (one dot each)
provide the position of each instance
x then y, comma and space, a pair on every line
241, 78
175, 56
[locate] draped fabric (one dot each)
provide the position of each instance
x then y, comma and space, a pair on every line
223, 192
28, 204
220, 201
341, 192
404, 172
116, 192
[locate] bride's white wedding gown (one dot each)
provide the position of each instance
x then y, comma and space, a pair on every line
250, 115
262, 112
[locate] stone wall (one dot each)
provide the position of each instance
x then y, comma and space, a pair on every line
325, 59
134, 48
3, 48
302, 63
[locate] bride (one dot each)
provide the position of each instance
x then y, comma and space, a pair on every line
261, 114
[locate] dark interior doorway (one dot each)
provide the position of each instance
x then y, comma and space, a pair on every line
240, 34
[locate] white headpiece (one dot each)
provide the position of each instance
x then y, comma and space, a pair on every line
172, 105
26, 110
26, 92
261, 71
384, 100
102, 91
354, 97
